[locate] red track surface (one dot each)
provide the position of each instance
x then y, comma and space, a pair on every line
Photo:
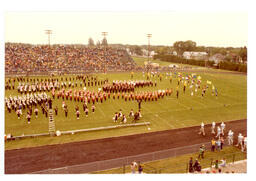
34, 159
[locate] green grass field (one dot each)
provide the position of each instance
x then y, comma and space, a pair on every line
179, 164
166, 113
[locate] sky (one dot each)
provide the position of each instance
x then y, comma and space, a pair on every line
205, 28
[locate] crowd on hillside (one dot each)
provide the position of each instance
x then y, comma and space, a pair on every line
41, 58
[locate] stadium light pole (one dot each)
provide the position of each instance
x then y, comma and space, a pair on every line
149, 36
104, 34
48, 32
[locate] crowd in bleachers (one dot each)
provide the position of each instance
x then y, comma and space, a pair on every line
41, 58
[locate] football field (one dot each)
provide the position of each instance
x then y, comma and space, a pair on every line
165, 113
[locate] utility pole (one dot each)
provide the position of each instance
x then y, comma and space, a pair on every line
48, 32
104, 34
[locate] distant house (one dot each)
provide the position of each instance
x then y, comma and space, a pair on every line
151, 53
174, 53
128, 51
218, 57
195, 55
235, 58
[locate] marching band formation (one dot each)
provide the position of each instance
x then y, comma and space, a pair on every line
34, 93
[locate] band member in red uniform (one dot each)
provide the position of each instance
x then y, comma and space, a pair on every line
93, 108
77, 114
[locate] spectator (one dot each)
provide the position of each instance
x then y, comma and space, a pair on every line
223, 163
42, 58
213, 142
133, 166
197, 166
201, 152
244, 144
218, 144
221, 142
216, 164
190, 167
140, 169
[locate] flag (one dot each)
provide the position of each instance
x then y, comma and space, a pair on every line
209, 82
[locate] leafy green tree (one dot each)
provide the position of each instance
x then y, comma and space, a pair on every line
243, 53
182, 46
98, 44
163, 50
137, 50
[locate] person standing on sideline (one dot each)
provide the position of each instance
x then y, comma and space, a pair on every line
245, 144
202, 129
223, 162
140, 169
218, 144
218, 132
213, 143
240, 140
221, 142
190, 165
133, 166
230, 137
213, 127
201, 152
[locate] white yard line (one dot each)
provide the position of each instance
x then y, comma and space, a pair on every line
102, 111
183, 105
156, 115
196, 102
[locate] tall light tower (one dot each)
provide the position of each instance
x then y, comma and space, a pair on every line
149, 36
48, 32
104, 34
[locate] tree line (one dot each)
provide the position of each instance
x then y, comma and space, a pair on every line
203, 63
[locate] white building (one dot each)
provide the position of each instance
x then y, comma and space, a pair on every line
217, 58
195, 55
151, 53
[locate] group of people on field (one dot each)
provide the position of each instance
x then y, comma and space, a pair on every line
218, 138
123, 119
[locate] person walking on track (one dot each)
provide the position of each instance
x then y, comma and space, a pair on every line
202, 129
213, 127
230, 137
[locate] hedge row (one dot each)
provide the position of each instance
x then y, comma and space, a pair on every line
223, 65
